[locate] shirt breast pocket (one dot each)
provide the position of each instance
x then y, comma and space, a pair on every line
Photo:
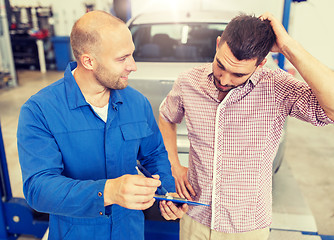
133, 135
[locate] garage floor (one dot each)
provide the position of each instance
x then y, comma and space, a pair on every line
310, 155
303, 188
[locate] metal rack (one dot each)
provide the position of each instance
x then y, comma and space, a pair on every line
7, 68
31, 30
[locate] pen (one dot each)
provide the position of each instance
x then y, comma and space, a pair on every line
148, 174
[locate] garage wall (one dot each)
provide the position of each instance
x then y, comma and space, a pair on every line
252, 7
311, 23
256, 7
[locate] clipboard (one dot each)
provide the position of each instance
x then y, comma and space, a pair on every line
167, 197
178, 200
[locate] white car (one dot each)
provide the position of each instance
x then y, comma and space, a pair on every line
169, 43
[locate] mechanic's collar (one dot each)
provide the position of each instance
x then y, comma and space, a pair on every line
115, 97
74, 95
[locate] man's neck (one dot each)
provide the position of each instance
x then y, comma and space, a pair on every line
95, 94
222, 95
99, 99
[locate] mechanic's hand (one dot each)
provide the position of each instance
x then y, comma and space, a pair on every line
131, 191
170, 211
183, 187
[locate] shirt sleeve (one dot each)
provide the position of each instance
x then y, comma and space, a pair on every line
297, 100
45, 188
171, 109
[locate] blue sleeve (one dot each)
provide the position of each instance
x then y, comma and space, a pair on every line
153, 155
44, 186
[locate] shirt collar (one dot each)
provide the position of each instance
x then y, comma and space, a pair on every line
74, 95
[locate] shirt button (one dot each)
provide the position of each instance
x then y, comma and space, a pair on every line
101, 213
99, 194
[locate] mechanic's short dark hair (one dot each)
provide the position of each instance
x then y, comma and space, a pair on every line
248, 37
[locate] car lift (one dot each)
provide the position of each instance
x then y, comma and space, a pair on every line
285, 22
16, 217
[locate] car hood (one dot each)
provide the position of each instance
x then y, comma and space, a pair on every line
161, 70
155, 80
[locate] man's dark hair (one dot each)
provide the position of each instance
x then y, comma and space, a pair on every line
249, 37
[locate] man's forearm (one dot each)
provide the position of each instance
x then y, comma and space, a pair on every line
168, 131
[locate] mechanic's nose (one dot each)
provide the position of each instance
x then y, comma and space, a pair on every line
132, 65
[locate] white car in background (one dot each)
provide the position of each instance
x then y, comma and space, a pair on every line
169, 43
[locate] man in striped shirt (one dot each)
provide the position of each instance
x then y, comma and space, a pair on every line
235, 110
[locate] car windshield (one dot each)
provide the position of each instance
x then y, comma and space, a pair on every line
177, 42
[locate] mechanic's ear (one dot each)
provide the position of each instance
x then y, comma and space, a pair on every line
87, 61
218, 41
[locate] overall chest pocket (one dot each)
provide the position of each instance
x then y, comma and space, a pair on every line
133, 134
135, 131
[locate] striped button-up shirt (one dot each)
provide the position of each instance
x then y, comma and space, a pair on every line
233, 142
